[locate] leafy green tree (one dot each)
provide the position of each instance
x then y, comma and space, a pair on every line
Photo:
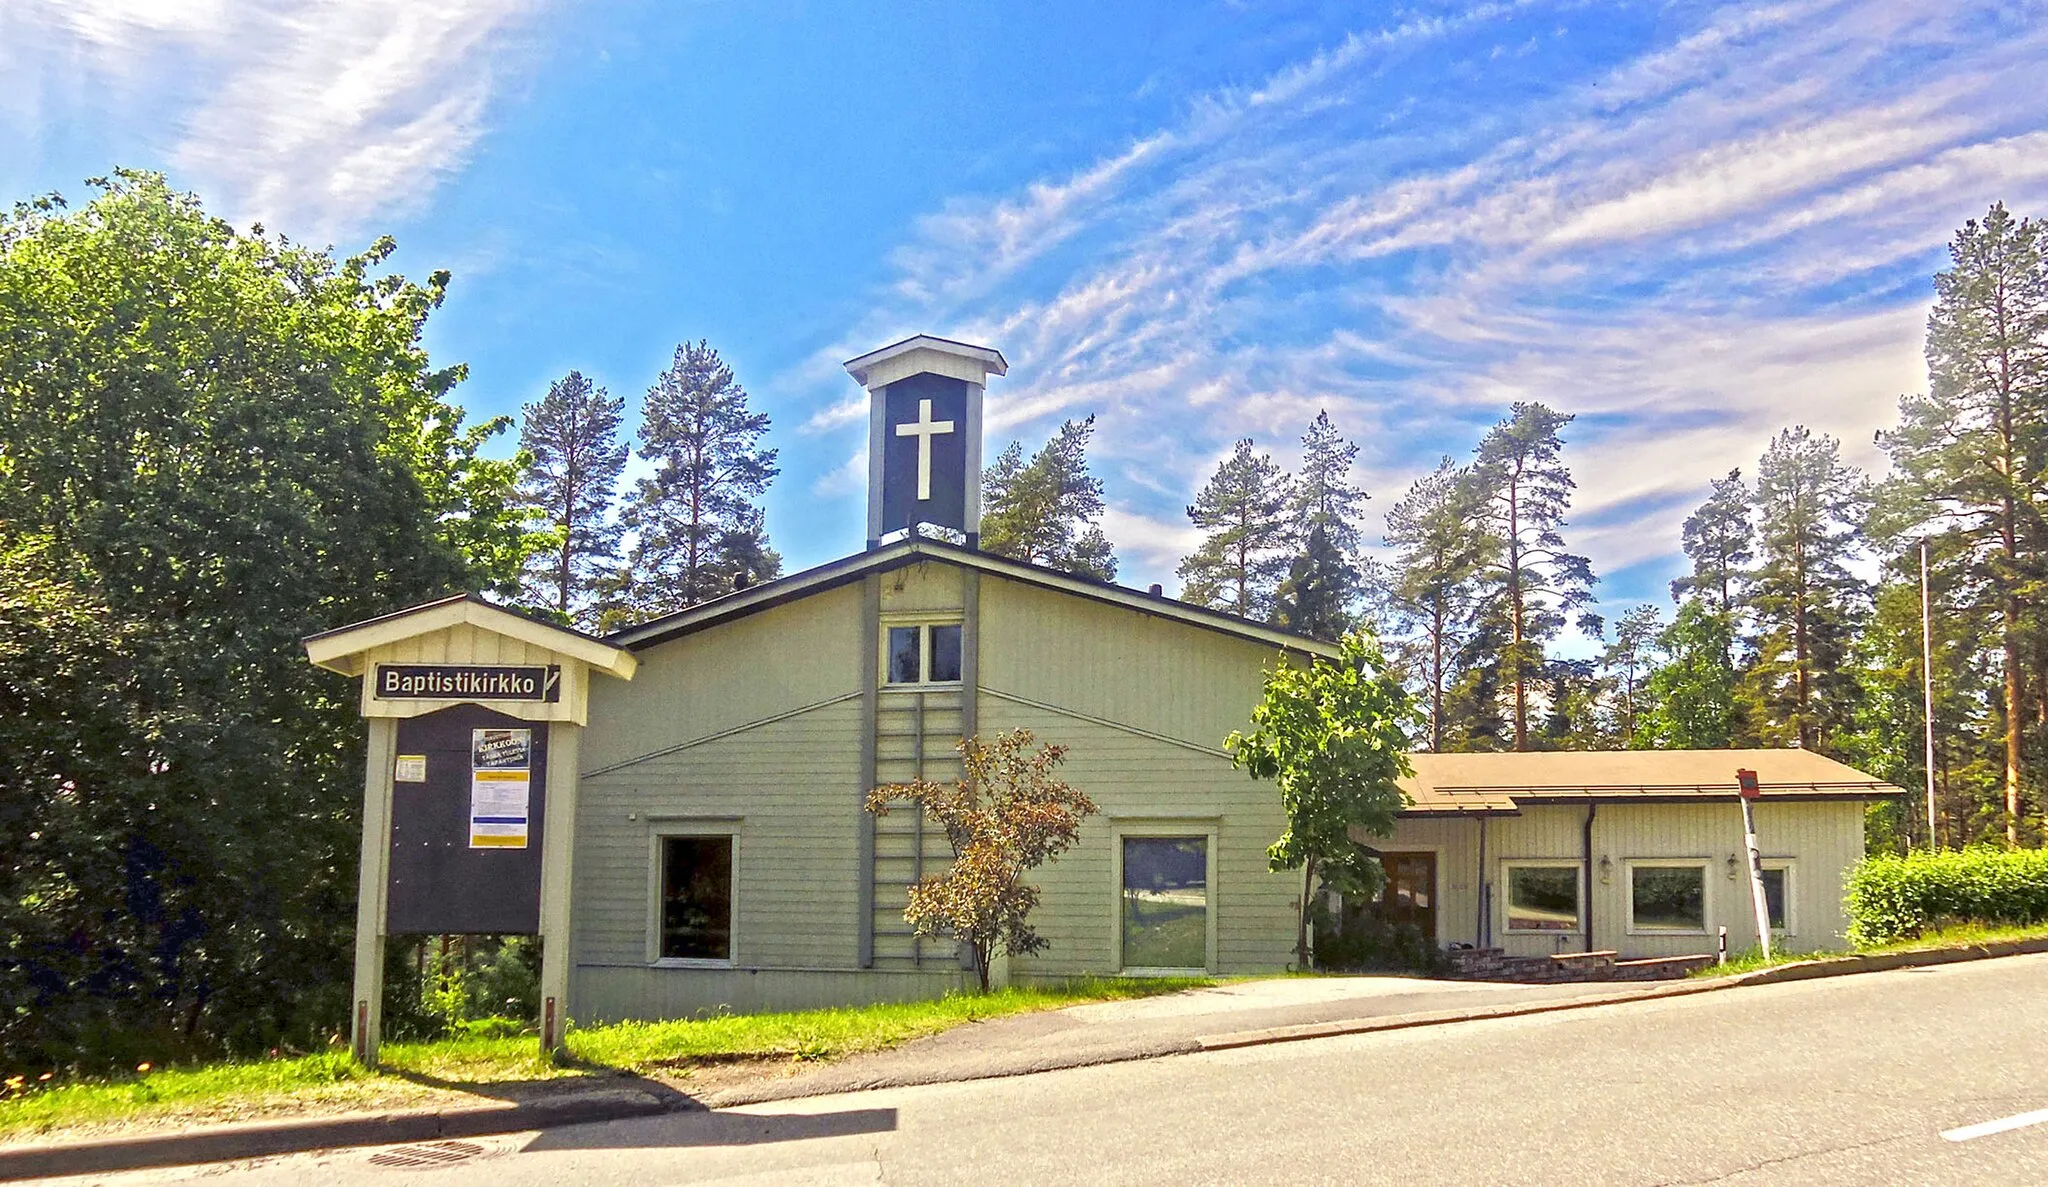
1691, 697
1043, 511
1006, 816
1970, 458
1530, 581
1805, 601
697, 530
1243, 510
1437, 551
1332, 736
213, 444
572, 436
1718, 540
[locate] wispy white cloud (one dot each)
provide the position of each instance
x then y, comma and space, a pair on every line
1728, 232
310, 116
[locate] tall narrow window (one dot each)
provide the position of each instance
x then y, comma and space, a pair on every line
906, 654
945, 653
1777, 882
1166, 902
696, 898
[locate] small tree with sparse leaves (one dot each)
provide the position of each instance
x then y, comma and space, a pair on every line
1333, 735
1005, 818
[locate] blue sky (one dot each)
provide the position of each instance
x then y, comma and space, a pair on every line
1687, 224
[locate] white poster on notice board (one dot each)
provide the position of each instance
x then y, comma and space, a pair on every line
500, 788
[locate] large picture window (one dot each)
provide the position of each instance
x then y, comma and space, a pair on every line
1165, 902
696, 898
1667, 898
923, 653
1542, 896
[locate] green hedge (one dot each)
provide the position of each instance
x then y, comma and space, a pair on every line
1892, 898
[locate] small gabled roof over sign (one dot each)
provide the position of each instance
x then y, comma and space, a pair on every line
344, 649
1509, 782
963, 360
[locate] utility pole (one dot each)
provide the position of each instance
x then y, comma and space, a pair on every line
1927, 687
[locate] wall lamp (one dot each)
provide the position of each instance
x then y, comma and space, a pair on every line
1606, 869
1734, 864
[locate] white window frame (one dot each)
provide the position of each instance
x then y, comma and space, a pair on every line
683, 828
1504, 904
1791, 868
924, 622
1150, 829
1704, 865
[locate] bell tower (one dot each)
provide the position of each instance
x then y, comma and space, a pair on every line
924, 434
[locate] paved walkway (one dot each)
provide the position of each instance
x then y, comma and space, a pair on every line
1108, 1032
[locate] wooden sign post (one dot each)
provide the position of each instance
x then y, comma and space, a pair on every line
1751, 792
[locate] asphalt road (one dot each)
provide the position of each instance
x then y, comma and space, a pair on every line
1846, 1080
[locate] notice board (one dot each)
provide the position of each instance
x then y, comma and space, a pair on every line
467, 807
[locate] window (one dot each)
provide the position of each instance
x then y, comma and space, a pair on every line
927, 653
696, 899
1542, 896
1777, 894
1667, 898
1165, 902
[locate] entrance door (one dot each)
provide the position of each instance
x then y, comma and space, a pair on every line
1410, 894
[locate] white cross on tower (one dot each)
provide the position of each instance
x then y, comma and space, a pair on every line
924, 430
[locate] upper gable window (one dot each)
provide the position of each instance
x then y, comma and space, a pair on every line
922, 653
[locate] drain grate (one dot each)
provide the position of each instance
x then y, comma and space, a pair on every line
426, 1155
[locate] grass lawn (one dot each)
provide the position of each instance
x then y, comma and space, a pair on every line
1959, 936
422, 1073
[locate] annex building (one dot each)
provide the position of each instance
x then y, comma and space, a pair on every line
677, 808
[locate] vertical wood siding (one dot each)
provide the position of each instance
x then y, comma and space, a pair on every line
1822, 840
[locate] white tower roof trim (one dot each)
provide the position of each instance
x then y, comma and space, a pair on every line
926, 352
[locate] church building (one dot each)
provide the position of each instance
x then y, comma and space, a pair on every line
683, 799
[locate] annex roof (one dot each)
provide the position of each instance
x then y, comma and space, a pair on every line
343, 648
1506, 783
915, 549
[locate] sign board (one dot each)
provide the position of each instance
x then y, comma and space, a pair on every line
1746, 780
500, 788
467, 682
410, 768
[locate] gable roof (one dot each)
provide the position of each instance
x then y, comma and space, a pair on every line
1509, 782
912, 550
341, 649
988, 358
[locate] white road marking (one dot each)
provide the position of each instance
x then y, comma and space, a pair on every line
1986, 1128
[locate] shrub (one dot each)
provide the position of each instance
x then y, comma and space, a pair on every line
1892, 898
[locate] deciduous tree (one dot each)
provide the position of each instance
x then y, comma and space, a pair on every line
1005, 817
1332, 736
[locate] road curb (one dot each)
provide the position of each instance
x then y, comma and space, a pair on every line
258, 1139
264, 1138
1805, 970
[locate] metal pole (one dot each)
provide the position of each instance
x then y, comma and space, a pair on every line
1927, 686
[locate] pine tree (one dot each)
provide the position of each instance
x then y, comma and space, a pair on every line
1626, 666
1044, 511
1805, 602
1968, 457
1437, 553
1243, 508
572, 435
1718, 538
697, 532
1531, 581
1323, 581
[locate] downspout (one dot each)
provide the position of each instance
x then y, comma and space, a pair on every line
1590, 808
1480, 933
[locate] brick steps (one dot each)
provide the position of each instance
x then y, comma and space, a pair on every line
1493, 964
